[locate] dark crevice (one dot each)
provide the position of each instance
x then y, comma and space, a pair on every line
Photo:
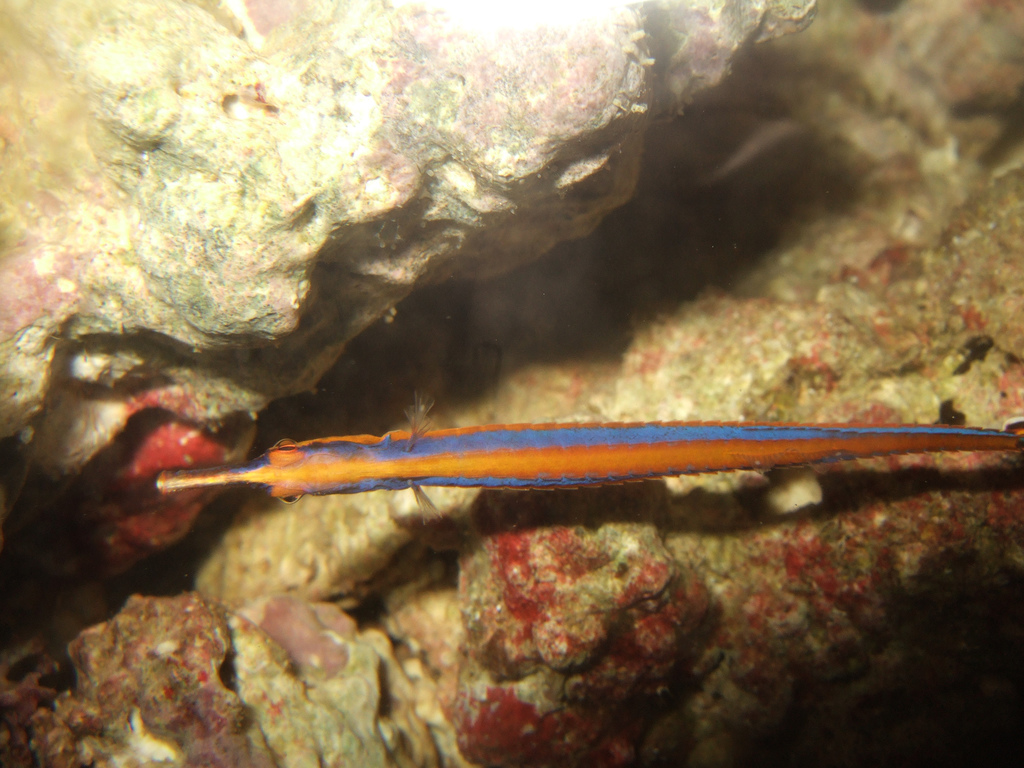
974, 351
948, 414
226, 671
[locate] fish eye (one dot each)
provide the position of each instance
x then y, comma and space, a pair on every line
285, 453
1015, 425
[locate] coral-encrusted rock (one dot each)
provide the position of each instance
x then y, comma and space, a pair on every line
150, 688
942, 61
564, 625
699, 44
331, 709
553, 595
895, 616
423, 615
22, 699
305, 690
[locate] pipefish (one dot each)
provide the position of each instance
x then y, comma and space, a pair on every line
571, 454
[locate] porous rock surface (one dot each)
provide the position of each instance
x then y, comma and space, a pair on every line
182, 681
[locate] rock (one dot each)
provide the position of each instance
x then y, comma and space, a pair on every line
284, 682
153, 686
347, 702
318, 547
23, 698
564, 627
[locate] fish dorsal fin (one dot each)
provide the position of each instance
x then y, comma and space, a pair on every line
419, 419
